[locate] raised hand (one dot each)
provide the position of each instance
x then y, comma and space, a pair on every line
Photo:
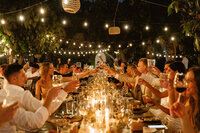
178, 109
141, 81
147, 99
72, 86
53, 93
7, 113
155, 70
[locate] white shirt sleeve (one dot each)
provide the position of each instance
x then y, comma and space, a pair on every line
27, 120
29, 102
55, 104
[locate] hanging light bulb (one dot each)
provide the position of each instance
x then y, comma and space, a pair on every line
42, 11
3, 21
21, 17
64, 22
42, 20
71, 6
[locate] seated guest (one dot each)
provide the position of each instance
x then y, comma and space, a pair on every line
7, 113
33, 71
45, 83
37, 112
190, 112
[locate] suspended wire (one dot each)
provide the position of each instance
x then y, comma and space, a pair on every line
153, 3
116, 11
15, 11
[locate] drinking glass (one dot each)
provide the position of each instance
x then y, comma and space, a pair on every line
163, 81
57, 81
180, 83
150, 63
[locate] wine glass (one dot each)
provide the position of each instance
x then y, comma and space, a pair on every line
57, 81
180, 83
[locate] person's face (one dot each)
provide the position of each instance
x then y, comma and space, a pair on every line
51, 69
123, 65
20, 78
34, 70
171, 73
129, 70
141, 67
165, 68
191, 87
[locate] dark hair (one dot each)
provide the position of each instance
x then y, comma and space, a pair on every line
144, 60
34, 65
169, 62
196, 116
11, 69
178, 66
3, 66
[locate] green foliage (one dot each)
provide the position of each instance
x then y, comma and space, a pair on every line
33, 35
190, 15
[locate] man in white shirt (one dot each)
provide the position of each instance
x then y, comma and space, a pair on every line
36, 113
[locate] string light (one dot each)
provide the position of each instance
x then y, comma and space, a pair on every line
90, 45
157, 41
130, 44
54, 38
65, 52
42, 11
172, 38
108, 46
81, 44
85, 24
3, 21
54, 51
67, 42
64, 22
143, 43
60, 40
21, 17
42, 19
126, 27
106, 26
74, 43
73, 52
69, 52
166, 29
119, 46
147, 27
99, 46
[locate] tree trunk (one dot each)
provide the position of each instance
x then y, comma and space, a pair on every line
21, 59
10, 58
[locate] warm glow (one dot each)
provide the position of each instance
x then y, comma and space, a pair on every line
67, 42
42, 19
126, 27
172, 38
60, 40
85, 24
143, 43
166, 29
64, 22
66, 2
131, 44
69, 52
3, 21
99, 46
157, 41
90, 45
21, 18
106, 25
42, 11
119, 46
81, 44
74, 43
147, 27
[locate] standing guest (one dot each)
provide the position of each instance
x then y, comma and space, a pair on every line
190, 112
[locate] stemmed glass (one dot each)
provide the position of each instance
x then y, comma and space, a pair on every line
180, 83
57, 81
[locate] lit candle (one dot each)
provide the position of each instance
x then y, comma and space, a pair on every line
107, 117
